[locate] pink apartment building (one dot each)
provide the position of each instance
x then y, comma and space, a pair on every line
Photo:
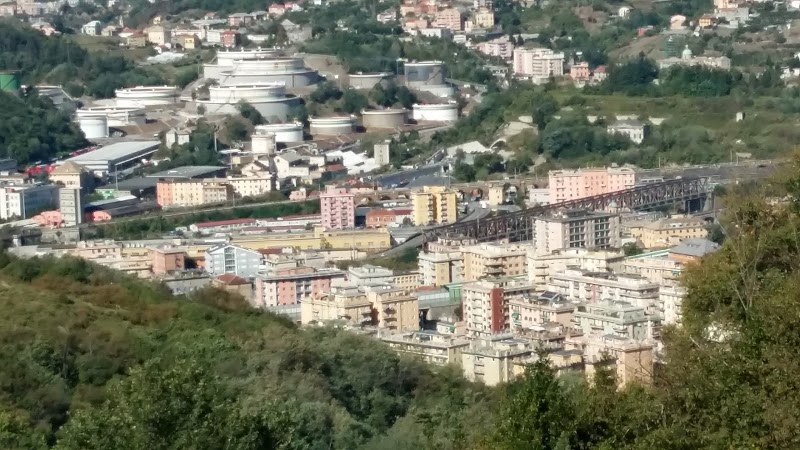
338, 208
450, 18
568, 185
579, 71
292, 286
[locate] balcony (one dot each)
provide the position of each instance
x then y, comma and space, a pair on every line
389, 310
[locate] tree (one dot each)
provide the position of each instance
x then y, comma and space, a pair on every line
235, 130
250, 113
631, 249
464, 172
353, 101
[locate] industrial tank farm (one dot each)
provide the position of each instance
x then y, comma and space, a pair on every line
428, 76
436, 112
367, 80
383, 118
146, 96
284, 132
269, 99
331, 126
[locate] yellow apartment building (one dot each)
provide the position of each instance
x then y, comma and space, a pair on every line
669, 232
434, 205
347, 304
493, 260
395, 309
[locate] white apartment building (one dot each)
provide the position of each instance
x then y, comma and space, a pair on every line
671, 298
440, 268
582, 285
492, 361
25, 201
431, 347
529, 312
538, 63
616, 318
542, 266
577, 229
656, 267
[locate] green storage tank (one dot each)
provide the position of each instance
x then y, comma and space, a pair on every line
9, 81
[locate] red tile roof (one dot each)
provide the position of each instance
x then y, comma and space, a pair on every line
230, 279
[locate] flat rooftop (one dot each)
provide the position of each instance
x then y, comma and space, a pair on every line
187, 172
116, 151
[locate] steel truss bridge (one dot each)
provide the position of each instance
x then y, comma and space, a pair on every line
518, 226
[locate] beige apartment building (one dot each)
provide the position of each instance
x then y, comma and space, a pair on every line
72, 175
538, 309
484, 18
434, 205
631, 360
187, 193
538, 63
669, 232
617, 318
493, 260
492, 361
343, 304
394, 309
486, 303
251, 186
542, 266
657, 267
577, 228
439, 269
431, 347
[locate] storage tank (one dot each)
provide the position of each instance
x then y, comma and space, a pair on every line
94, 127
331, 126
284, 132
425, 73
269, 99
436, 112
9, 81
146, 96
115, 115
263, 143
383, 118
362, 80
288, 70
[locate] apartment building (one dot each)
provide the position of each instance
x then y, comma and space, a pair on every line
294, 285
656, 267
538, 63
158, 35
70, 204
189, 193
616, 318
369, 275
434, 205
577, 228
634, 130
669, 232
690, 250
25, 201
501, 47
338, 208
229, 258
580, 71
542, 266
582, 285
449, 18
671, 299
429, 346
486, 303
394, 309
566, 185
493, 260
346, 304
492, 361
631, 360
251, 186
72, 175
440, 268
538, 309
484, 18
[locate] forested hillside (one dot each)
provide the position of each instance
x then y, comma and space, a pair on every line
32, 129
57, 60
96, 360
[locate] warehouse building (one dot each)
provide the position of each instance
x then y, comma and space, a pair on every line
114, 157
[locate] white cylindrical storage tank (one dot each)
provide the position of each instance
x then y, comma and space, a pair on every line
367, 80
437, 112
424, 73
146, 96
116, 116
94, 127
284, 132
290, 71
263, 143
251, 92
383, 118
331, 126
226, 57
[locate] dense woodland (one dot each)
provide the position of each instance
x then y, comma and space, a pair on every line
94, 359
32, 129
